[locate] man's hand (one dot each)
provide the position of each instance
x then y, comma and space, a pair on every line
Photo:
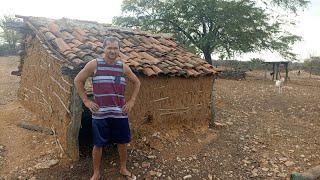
128, 106
93, 107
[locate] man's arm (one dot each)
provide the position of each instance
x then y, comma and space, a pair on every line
79, 82
136, 87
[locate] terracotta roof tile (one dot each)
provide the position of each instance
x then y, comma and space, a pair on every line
74, 49
76, 42
150, 54
153, 40
190, 72
156, 69
81, 54
166, 49
71, 45
178, 68
67, 52
127, 49
133, 63
149, 57
92, 45
127, 43
123, 56
87, 58
93, 39
158, 48
44, 29
50, 36
66, 35
53, 28
189, 65
169, 62
195, 73
117, 35
146, 45
145, 40
77, 61
79, 37
179, 63
207, 65
72, 56
80, 31
62, 45
100, 44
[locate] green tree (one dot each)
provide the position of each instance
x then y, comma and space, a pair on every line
8, 37
312, 65
225, 27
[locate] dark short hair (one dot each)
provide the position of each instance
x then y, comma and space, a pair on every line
110, 39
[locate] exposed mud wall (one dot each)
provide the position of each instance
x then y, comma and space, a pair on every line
45, 91
171, 102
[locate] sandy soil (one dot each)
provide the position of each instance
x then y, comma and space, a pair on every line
20, 149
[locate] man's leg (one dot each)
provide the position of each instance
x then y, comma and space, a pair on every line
122, 149
96, 155
122, 136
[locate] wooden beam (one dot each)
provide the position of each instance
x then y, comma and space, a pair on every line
213, 105
74, 126
33, 127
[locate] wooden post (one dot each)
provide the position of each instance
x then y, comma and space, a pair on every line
287, 72
265, 71
213, 104
277, 71
74, 126
273, 70
310, 72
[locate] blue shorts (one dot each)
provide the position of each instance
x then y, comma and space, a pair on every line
110, 130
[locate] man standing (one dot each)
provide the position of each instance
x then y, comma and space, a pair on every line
109, 110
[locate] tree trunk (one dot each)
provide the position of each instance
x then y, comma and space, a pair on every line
207, 56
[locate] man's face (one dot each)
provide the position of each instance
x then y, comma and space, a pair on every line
111, 50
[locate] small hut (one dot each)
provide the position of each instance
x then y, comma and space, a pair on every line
276, 69
176, 85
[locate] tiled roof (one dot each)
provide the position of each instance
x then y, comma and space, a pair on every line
78, 42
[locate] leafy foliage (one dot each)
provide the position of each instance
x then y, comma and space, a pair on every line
8, 37
225, 27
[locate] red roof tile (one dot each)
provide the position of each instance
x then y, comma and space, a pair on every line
156, 69
148, 71
150, 54
62, 45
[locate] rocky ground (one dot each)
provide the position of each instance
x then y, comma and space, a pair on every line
259, 134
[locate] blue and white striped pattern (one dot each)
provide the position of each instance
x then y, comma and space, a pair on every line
107, 79
106, 95
110, 69
109, 89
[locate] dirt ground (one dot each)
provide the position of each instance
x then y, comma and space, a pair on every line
260, 134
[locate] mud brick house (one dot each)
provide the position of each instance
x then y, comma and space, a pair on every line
176, 85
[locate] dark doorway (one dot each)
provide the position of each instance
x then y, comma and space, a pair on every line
85, 133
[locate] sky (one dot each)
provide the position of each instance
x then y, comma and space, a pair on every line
308, 22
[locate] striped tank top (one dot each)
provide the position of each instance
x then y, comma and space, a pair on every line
108, 90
